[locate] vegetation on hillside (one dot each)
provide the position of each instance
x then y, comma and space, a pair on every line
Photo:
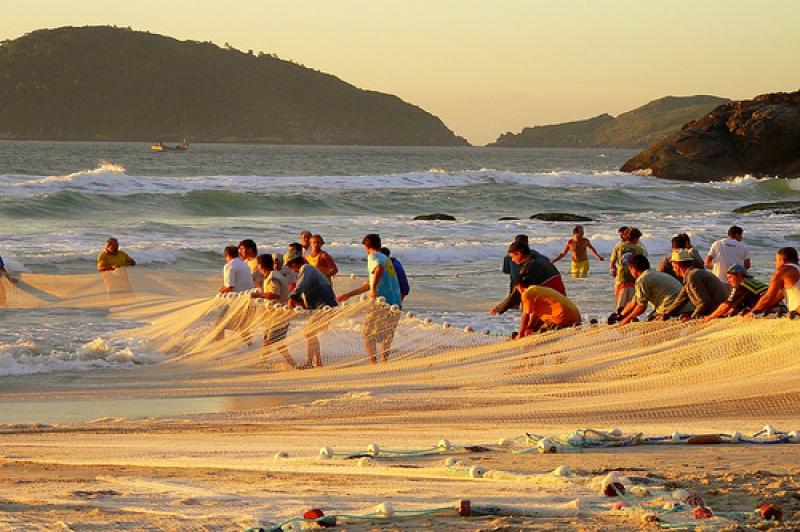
108, 83
634, 129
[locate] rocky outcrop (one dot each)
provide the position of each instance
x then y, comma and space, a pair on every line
776, 207
560, 217
760, 137
435, 216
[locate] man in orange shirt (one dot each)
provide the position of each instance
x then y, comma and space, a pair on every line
544, 309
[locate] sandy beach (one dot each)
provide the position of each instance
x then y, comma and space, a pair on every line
456, 416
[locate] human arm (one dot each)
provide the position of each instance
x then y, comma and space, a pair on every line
360, 290
773, 295
128, 260
632, 311
562, 254
511, 300
328, 265
524, 322
724, 309
747, 264
596, 254
679, 302
612, 261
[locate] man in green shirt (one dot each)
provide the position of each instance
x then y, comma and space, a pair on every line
655, 288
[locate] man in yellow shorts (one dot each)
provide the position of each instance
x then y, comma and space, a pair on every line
578, 246
544, 309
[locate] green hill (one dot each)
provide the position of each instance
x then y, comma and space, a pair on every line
106, 83
634, 129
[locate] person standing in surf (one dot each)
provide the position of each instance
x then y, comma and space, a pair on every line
624, 281
381, 320
727, 252
111, 263
577, 245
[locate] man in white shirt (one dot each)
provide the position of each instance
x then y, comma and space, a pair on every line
236, 276
728, 252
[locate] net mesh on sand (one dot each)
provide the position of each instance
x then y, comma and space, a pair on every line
645, 372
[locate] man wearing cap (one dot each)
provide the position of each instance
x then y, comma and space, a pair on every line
314, 291
655, 288
700, 286
746, 293
534, 271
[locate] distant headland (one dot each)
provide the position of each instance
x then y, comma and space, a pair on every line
635, 129
105, 83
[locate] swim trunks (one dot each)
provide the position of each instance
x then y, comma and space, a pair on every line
580, 268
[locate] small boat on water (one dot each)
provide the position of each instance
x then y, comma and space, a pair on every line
183, 146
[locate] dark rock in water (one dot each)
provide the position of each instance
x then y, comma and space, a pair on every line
435, 216
559, 217
778, 207
760, 137
507, 218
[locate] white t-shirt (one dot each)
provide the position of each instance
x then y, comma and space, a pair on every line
277, 284
724, 254
236, 274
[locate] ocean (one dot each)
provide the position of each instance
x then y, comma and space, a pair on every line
177, 210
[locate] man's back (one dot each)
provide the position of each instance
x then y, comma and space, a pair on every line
657, 288
314, 288
236, 274
277, 283
388, 285
726, 253
705, 288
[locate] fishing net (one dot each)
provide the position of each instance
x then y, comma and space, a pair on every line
735, 368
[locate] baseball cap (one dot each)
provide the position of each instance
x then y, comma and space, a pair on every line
738, 268
626, 258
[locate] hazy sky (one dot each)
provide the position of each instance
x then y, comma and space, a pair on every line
485, 67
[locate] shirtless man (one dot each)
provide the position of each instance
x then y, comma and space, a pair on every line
784, 283
577, 245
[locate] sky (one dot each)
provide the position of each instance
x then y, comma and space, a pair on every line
485, 67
